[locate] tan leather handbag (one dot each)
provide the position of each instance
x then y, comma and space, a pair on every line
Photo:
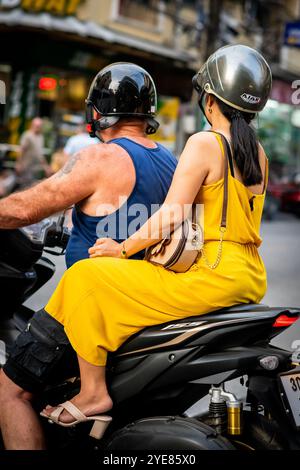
180, 251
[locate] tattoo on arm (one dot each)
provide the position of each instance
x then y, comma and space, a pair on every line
69, 165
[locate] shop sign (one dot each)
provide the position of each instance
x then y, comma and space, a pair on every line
55, 7
292, 34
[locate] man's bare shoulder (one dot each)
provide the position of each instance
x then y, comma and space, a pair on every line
91, 155
106, 156
101, 151
91, 159
92, 151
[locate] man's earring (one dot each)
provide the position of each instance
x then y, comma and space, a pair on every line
210, 110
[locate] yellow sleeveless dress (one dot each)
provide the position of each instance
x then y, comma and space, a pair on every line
103, 301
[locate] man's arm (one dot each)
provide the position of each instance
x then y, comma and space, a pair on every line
73, 183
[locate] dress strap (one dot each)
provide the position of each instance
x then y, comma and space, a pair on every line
266, 177
226, 151
221, 139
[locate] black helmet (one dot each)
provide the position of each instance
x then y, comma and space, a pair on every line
238, 75
120, 90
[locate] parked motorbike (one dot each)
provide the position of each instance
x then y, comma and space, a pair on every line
161, 371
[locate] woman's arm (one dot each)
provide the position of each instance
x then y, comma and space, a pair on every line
190, 173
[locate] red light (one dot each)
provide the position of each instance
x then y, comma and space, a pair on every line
47, 83
89, 127
283, 321
295, 196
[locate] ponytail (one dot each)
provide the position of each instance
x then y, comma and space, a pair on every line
244, 144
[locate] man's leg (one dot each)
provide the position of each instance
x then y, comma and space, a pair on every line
20, 425
41, 353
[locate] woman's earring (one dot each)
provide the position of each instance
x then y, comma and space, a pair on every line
210, 110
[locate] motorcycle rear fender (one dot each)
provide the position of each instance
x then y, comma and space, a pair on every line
167, 433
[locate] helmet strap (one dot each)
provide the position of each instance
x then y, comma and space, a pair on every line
105, 122
98, 125
89, 114
95, 126
152, 126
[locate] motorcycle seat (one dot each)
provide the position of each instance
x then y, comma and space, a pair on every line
167, 334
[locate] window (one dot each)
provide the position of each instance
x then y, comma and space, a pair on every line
145, 12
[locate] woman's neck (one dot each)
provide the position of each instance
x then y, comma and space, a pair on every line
220, 124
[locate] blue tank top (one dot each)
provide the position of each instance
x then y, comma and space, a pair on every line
154, 168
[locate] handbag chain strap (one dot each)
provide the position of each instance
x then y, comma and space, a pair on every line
228, 160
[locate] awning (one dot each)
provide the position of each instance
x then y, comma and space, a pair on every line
72, 25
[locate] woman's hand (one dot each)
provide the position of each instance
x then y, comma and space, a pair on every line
106, 247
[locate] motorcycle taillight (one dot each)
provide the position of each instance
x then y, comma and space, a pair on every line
283, 321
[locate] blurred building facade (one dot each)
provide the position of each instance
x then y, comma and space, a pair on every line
57, 46
272, 27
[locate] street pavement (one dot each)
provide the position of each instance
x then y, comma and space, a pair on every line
281, 253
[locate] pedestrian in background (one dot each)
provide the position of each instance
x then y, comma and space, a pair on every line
31, 162
79, 141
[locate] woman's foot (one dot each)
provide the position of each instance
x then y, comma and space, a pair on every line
88, 405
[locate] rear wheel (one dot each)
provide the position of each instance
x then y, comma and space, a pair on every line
167, 433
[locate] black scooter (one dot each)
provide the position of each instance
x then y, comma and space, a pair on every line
160, 372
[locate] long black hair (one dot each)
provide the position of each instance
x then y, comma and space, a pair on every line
244, 143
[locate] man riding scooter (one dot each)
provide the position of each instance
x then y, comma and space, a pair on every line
127, 166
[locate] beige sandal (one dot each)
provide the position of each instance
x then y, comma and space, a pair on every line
101, 422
